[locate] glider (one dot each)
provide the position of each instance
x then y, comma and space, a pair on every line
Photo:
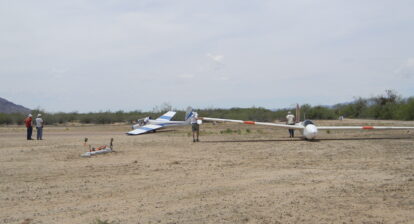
148, 125
308, 128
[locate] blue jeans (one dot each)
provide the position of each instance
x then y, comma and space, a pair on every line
39, 133
29, 132
292, 133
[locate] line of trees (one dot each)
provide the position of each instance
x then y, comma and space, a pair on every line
386, 106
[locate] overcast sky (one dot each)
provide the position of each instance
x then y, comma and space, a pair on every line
99, 55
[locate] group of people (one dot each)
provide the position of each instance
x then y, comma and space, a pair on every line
39, 126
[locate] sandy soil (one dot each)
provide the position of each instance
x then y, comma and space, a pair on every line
252, 175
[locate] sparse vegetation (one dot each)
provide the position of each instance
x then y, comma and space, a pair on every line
386, 106
98, 221
227, 131
231, 131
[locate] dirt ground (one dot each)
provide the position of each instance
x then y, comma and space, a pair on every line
236, 174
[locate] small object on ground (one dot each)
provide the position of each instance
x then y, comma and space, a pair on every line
27, 221
99, 150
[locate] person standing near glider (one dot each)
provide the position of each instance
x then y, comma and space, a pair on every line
39, 127
28, 123
290, 120
195, 126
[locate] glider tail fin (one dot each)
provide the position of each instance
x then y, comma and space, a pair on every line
189, 114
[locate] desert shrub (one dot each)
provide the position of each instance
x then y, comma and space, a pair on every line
406, 110
5, 119
320, 112
98, 221
227, 131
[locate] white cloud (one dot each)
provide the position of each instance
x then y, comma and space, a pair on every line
216, 58
406, 69
186, 76
222, 78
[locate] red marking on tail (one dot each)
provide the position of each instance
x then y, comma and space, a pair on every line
367, 127
249, 122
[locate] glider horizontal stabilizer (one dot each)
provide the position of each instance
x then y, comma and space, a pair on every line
167, 116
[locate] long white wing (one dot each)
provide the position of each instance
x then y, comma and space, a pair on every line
167, 116
296, 126
362, 127
144, 129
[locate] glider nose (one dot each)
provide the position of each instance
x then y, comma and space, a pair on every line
310, 131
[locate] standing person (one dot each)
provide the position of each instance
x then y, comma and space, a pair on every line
28, 123
39, 127
195, 126
290, 120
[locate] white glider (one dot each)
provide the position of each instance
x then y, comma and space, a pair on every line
148, 125
308, 128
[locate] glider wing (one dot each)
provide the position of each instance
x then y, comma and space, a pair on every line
296, 126
362, 128
145, 129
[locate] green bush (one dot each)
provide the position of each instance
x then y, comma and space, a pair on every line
5, 119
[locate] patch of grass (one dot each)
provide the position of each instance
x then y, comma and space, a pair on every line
328, 131
227, 131
98, 221
206, 133
231, 131
248, 131
175, 163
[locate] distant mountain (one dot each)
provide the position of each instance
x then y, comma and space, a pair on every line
8, 107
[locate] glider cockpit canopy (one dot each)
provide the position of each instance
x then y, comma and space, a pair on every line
307, 122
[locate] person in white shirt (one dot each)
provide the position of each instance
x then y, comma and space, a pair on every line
290, 120
39, 127
195, 127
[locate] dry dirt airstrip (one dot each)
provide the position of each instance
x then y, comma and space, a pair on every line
253, 175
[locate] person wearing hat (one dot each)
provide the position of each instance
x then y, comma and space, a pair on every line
195, 127
28, 123
39, 126
290, 120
